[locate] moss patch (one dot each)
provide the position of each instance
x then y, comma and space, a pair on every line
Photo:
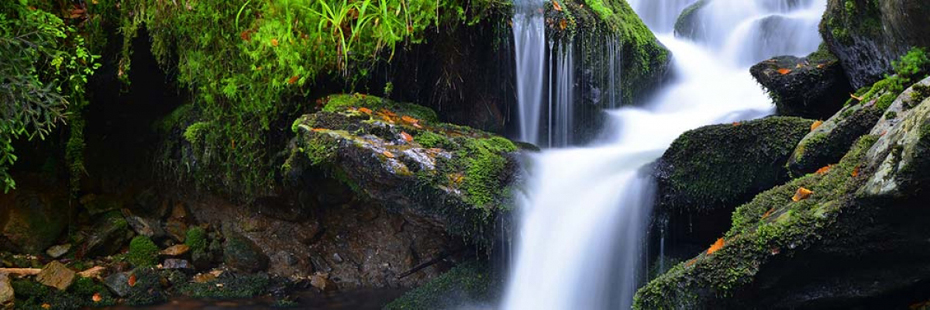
468, 283
142, 252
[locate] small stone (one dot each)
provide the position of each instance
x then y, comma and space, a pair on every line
118, 283
322, 282
6, 292
176, 264
176, 250
56, 275
176, 229
179, 212
338, 259
147, 227
241, 253
286, 258
58, 250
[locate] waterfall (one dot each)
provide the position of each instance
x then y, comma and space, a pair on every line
529, 43
582, 220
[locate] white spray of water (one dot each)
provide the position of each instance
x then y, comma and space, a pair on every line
583, 218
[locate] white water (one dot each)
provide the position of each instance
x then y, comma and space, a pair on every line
529, 42
583, 217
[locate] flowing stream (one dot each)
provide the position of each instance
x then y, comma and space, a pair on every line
583, 217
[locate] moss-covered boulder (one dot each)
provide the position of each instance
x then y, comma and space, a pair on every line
868, 35
689, 23
241, 253
721, 166
108, 236
398, 155
811, 87
853, 234
709, 171
30, 222
827, 143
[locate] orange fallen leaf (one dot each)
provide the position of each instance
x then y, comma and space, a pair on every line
556, 6
824, 170
388, 154
716, 246
563, 24
409, 120
821, 66
415, 125
132, 280
365, 110
319, 129
46, 306
407, 137
96, 297
736, 124
784, 71
768, 213
802, 194
293, 79
274, 42
775, 251
246, 35
816, 124
387, 113
855, 172
690, 262
854, 97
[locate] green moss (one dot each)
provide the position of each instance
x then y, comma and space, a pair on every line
228, 287
467, 283
770, 224
196, 239
196, 131
721, 166
142, 252
342, 102
484, 167
32, 295
430, 139
822, 54
891, 115
148, 289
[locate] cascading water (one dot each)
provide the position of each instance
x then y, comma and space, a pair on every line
529, 43
583, 217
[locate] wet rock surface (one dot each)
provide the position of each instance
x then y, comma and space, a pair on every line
813, 87
867, 36
858, 239
30, 222
56, 275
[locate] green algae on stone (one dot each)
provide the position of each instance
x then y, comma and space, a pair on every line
142, 252
467, 283
399, 155
722, 166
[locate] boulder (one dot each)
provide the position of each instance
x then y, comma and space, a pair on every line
709, 171
149, 227
857, 240
109, 235
30, 222
689, 24
867, 36
56, 275
826, 144
398, 155
812, 87
241, 253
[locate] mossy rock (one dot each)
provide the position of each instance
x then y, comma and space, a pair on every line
855, 240
594, 23
30, 222
466, 284
403, 159
826, 144
812, 87
688, 24
229, 285
108, 236
722, 166
241, 253
868, 35
142, 252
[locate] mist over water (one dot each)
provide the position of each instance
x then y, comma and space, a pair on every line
584, 213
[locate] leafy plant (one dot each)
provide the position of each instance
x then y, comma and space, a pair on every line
44, 66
